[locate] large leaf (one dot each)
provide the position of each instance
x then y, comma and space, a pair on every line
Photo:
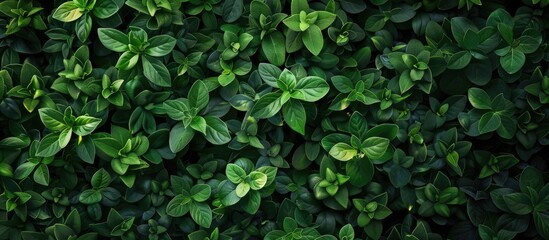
267, 106
295, 116
156, 72
311, 89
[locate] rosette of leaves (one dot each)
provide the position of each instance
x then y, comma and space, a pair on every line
82, 11
538, 90
362, 148
246, 135
158, 13
489, 115
442, 112
154, 230
355, 89
492, 164
188, 111
111, 92
23, 203
530, 199
398, 14
372, 210
62, 126
305, 27
330, 186
289, 99
190, 199
77, 75
412, 67
22, 14
264, 19
37, 166
136, 46
450, 151
32, 90
343, 33
245, 184
100, 191
71, 228
436, 198
123, 151
236, 44
60, 199
275, 152
293, 231
116, 225
513, 49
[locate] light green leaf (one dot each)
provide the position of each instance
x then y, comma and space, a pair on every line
343, 152
67, 12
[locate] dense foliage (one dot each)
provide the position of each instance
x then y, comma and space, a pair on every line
274, 119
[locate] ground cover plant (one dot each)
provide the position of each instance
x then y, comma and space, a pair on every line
274, 119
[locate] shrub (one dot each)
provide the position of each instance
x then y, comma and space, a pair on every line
272, 119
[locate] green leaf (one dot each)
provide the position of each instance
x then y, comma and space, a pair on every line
156, 72
541, 221
232, 10
347, 232
178, 206
160, 45
201, 213
324, 19
513, 61
49, 146
105, 8
257, 180
295, 116
479, 98
67, 12
267, 106
176, 109
65, 137
198, 95
201, 192
274, 48
242, 189
343, 152
198, 123
531, 177
313, 39
358, 126
113, 39
85, 125
360, 171
518, 203
90, 196
100, 179
52, 119
42, 175
311, 89
216, 131
269, 73
83, 27
235, 173
375, 147
489, 122
459, 60
180, 137
127, 61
